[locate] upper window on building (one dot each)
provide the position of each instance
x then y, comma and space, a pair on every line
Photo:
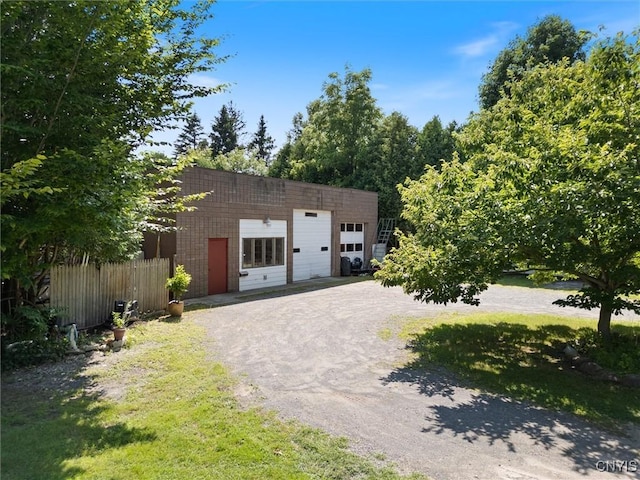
351, 227
262, 252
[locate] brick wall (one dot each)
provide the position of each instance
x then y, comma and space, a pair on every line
235, 196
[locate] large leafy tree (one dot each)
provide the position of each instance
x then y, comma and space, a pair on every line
551, 183
337, 137
84, 83
401, 152
347, 141
435, 143
237, 160
550, 40
396, 158
226, 130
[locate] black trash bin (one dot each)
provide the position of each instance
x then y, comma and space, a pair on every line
356, 264
345, 266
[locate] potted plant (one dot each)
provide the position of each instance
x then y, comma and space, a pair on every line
178, 285
118, 326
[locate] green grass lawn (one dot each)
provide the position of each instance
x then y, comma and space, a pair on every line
177, 419
519, 356
514, 280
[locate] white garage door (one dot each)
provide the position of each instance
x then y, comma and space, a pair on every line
311, 244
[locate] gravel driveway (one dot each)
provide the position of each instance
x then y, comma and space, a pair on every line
317, 356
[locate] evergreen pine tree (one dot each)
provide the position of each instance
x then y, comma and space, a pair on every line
191, 136
262, 142
226, 130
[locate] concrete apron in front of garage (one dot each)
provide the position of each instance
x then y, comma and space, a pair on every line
301, 286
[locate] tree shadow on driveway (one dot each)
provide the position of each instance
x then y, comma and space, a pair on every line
482, 418
497, 419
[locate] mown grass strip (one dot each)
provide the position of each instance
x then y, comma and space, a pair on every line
520, 356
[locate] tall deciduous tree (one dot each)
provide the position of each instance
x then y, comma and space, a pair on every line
226, 130
435, 143
238, 160
83, 84
551, 184
262, 143
339, 132
191, 136
550, 40
281, 165
395, 159
347, 141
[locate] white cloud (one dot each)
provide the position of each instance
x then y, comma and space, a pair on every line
478, 48
202, 80
436, 90
489, 43
409, 97
448, 97
379, 86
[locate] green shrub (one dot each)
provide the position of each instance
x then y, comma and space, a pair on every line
25, 323
32, 352
179, 283
29, 337
620, 353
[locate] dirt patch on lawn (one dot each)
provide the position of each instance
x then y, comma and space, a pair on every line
77, 374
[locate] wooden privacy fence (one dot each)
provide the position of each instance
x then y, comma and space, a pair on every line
88, 293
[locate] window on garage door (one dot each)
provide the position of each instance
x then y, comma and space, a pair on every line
262, 252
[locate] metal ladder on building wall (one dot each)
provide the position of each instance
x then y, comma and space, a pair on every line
385, 230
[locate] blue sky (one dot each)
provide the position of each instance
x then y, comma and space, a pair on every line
426, 57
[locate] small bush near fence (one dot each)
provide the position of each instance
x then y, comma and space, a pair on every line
28, 337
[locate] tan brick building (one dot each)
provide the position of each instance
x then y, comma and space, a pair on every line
253, 232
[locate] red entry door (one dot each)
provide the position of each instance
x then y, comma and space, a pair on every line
217, 265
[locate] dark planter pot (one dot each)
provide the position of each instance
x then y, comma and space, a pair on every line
175, 309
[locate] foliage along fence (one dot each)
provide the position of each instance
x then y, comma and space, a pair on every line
87, 293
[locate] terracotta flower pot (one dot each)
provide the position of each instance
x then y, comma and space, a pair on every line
175, 309
118, 333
